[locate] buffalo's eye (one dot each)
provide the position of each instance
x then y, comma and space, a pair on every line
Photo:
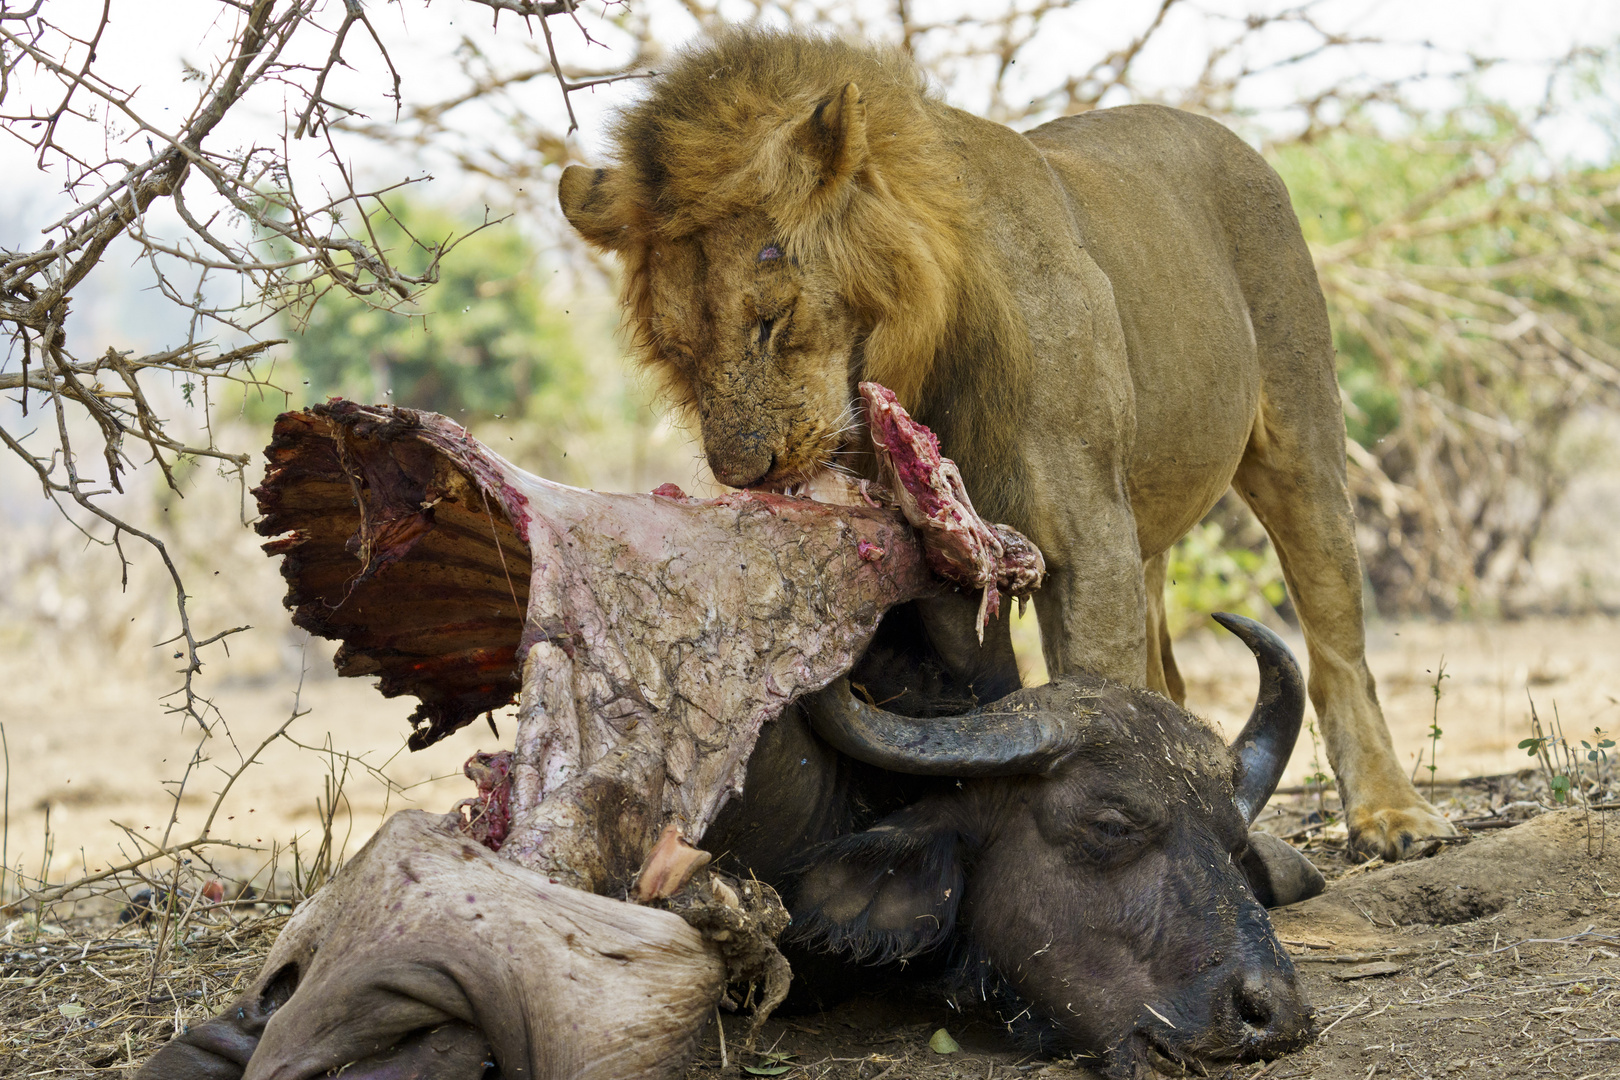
1112, 823
769, 253
1108, 835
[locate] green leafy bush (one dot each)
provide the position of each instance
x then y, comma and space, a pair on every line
481, 342
1471, 284
1208, 572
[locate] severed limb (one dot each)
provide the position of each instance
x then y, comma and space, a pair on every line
646, 638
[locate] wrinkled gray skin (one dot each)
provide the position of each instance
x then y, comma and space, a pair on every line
432, 958
1108, 881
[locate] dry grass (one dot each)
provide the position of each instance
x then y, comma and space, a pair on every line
90, 995
86, 994
99, 971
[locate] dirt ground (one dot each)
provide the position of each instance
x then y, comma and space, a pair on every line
1498, 956
1501, 956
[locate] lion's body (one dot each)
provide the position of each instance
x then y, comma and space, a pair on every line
1108, 321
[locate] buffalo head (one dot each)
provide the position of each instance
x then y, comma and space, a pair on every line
1091, 856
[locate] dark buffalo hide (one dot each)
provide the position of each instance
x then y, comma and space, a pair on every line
1082, 847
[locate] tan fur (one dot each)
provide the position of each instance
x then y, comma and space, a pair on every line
718, 140
1107, 320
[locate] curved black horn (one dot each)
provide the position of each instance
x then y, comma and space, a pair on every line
1266, 741
996, 740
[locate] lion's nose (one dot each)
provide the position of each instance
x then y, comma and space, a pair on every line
740, 469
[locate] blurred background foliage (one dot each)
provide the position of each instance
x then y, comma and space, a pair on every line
1214, 569
534, 370
1472, 283
483, 342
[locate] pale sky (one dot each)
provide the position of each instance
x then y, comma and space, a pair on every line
153, 55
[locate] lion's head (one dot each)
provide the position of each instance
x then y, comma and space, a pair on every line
789, 222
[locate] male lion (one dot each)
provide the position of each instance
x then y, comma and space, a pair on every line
1108, 320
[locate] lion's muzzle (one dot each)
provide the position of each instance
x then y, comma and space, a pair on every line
741, 461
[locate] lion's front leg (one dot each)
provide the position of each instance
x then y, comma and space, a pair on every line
1093, 606
1297, 491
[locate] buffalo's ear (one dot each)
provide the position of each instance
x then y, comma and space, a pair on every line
885, 894
834, 137
1279, 873
595, 203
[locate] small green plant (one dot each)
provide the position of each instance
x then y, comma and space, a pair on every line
1209, 572
1597, 752
1318, 780
1561, 763
1544, 746
1434, 725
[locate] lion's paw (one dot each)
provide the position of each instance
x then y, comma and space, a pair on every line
1396, 832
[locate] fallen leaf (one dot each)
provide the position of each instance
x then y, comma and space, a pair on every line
942, 1043
771, 1063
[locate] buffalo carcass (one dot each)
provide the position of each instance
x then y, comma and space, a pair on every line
646, 638
1082, 845
647, 670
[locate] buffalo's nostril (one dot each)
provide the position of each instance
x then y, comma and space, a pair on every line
453, 1051
1268, 1013
1254, 1004
278, 989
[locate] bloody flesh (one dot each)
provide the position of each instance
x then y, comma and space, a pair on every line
960, 546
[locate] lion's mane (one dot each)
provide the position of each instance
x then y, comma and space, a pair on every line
719, 133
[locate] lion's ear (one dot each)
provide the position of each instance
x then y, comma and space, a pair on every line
594, 203
835, 135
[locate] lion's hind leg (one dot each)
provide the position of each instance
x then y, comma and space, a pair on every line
1162, 673
1292, 477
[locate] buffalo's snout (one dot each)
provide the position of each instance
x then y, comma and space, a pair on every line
1269, 1015
1249, 1007
1259, 1009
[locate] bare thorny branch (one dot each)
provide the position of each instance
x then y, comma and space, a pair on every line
195, 212
174, 872
1489, 359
